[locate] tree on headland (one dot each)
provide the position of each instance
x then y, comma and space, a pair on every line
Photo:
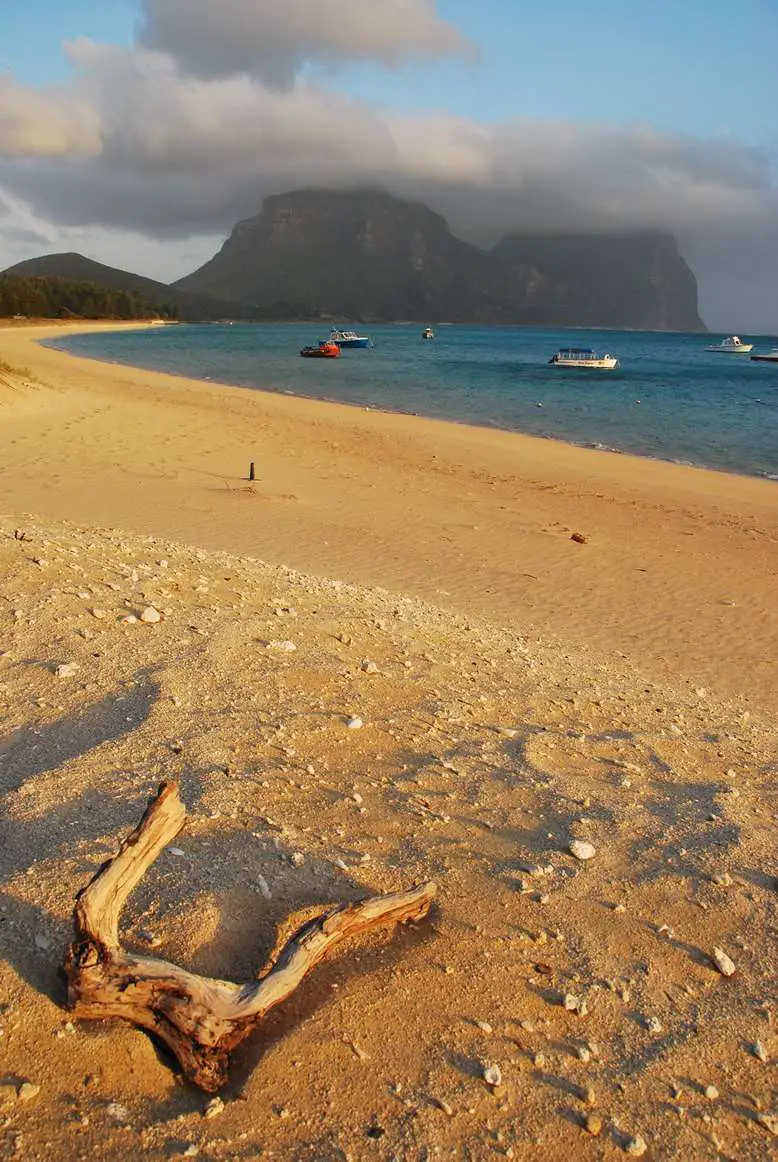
44, 297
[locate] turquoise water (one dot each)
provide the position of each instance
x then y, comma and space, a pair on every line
671, 400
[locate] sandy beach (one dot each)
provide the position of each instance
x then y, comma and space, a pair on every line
517, 690
679, 572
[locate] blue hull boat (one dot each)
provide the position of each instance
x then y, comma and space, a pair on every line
348, 338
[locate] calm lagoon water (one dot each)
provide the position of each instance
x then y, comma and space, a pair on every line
719, 411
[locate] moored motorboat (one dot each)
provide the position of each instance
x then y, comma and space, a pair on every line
348, 338
732, 345
322, 350
583, 357
767, 357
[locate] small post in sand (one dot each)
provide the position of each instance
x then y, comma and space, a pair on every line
251, 470
200, 1020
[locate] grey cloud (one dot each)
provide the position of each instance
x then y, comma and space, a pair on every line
272, 41
22, 235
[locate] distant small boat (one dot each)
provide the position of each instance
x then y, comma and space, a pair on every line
323, 350
428, 333
732, 345
768, 357
348, 338
583, 357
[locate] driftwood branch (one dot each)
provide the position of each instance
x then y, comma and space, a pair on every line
201, 1020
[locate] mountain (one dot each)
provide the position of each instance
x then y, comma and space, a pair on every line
366, 255
188, 307
636, 279
351, 254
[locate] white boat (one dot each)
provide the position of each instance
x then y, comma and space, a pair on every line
768, 357
428, 333
583, 357
348, 338
732, 345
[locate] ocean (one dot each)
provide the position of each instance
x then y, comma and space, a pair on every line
670, 400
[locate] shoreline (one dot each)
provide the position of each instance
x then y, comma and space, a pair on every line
380, 411
679, 566
585, 445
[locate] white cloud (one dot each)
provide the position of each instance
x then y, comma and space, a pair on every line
45, 123
272, 40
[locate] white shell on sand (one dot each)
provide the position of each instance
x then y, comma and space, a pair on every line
355, 723
67, 670
581, 849
492, 1075
724, 964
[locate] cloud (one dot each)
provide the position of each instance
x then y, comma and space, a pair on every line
181, 156
273, 41
39, 123
22, 236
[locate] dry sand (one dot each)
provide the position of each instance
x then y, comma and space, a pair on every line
620, 692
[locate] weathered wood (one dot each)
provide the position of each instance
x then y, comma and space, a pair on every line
200, 1020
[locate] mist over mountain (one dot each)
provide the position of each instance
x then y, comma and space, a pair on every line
365, 254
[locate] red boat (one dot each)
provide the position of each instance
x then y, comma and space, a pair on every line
324, 350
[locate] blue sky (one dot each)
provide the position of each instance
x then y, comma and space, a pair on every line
706, 67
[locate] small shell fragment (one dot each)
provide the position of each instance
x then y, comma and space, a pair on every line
724, 963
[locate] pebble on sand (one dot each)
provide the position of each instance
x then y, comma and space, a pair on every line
28, 1090
581, 849
636, 1146
150, 615
354, 723
67, 669
593, 1125
492, 1075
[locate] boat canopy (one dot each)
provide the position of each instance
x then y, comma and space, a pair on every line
576, 351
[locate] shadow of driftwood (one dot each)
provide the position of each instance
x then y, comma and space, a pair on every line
34, 750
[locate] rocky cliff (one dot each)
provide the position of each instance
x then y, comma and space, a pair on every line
365, 255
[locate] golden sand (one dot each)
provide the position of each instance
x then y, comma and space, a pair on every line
526, 690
